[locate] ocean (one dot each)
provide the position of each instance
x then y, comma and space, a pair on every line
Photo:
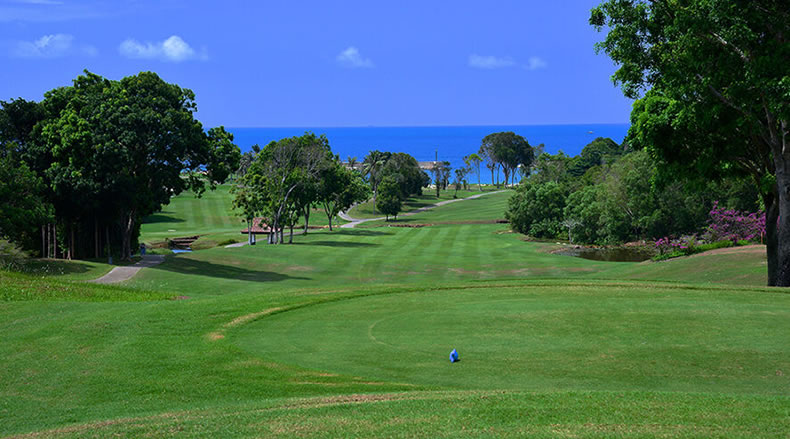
451, 143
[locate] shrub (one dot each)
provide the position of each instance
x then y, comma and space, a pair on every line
734, 225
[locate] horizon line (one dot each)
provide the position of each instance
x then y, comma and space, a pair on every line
430, 126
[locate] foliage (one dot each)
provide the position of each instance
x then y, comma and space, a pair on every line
405, 170
508, 150
112, 152
537, 210
389, 201
714, 95
282, 179
340, 188
733, 225
23, 207
472, 162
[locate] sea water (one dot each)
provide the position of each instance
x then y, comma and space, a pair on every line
448, 143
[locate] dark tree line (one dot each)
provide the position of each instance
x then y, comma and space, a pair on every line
98, 156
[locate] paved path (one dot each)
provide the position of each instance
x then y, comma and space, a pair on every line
354, 221
120, 274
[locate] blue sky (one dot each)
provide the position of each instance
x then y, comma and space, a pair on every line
320, 63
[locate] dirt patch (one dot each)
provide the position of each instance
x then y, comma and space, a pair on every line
181, 298
214, 336
250, 317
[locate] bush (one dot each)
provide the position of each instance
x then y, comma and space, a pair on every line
537, 210
734, 225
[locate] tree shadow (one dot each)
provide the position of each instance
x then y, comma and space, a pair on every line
159, 218
53, 267
186, 265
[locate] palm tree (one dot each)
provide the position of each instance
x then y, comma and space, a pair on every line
352, 163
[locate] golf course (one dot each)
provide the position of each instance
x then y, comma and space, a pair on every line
347, 333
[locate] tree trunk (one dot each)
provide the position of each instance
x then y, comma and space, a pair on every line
306, 218
95, 238
291, 235
43, 242
109, 248
771, 242
783, 226
126, 235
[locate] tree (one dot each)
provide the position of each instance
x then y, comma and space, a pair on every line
508, 150
125, 147
406, 171
23, 208
537, 210
441, 175
371, 168
595, 153
713, 94
340, 188
460, 178
473, 161
281, 170
389, 201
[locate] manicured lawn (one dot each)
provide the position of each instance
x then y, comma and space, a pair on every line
347, 333
353, 257
211, 216
428, 197
488, 208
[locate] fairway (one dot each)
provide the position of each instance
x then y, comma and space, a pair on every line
347, 333
539, 337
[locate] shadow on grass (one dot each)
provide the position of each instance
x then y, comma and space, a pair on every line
51, 267
349, 244
185, 265
161, 218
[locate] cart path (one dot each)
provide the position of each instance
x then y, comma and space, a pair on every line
120, 274
354, 221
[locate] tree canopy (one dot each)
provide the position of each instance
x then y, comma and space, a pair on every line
713, 94
115, 151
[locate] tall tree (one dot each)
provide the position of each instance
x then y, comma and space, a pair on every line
281, 170
339, 189
389, 202
713, 94
129, 146
371, 168
473, 161
508, 150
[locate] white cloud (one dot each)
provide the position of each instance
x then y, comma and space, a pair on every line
172, 49
352, 58
490, 62
51, 46
536, 63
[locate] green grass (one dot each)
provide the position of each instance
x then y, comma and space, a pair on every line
428, 197
350, 257
211, 216
347, 334
488, 208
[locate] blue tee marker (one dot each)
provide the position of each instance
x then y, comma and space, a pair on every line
453, 356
